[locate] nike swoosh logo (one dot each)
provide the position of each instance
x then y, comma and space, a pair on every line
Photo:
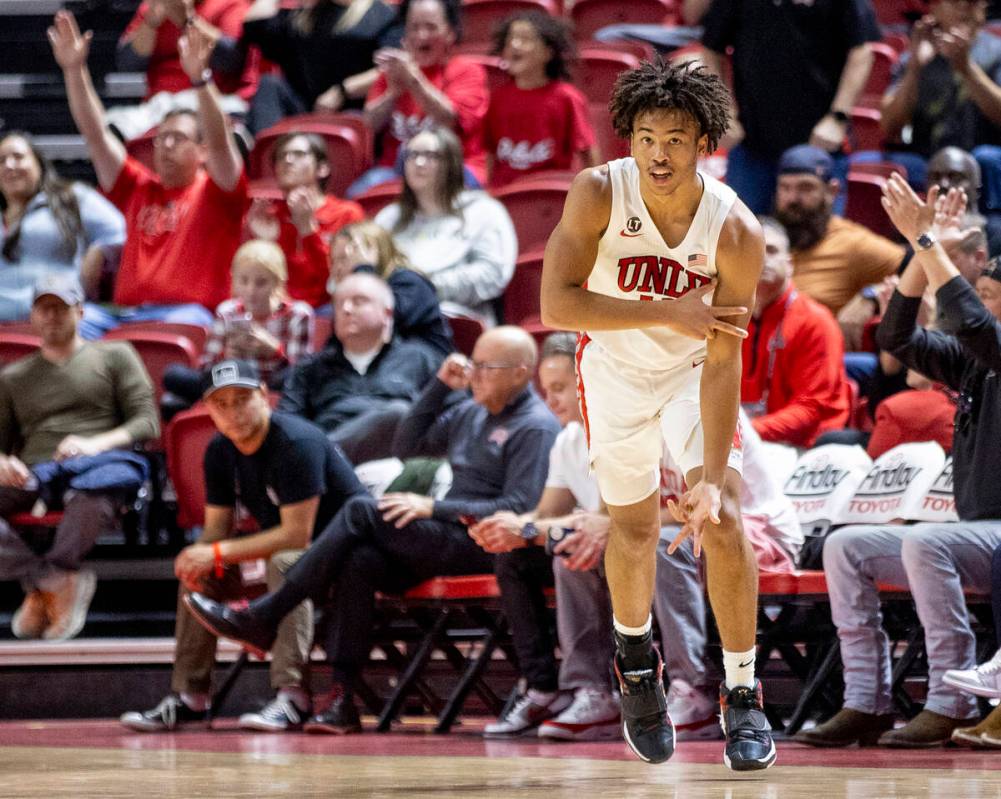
629, 235
745, 665
698, 363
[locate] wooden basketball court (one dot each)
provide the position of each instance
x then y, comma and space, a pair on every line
100, 759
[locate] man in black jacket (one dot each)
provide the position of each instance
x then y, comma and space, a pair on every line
938, 561
364, 381
497, 443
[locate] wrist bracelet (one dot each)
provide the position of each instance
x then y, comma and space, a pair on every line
220, 564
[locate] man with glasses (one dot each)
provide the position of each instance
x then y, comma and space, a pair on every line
290, 480
184, 218
938, 561
497, 442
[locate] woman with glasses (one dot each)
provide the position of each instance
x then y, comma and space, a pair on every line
463, 241
49, 225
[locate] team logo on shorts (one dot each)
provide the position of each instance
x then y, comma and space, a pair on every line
633, 225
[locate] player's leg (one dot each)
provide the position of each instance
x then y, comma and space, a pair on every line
732, 583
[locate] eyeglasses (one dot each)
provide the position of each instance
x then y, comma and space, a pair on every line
427, 155
481, 366
293, 155
171, 138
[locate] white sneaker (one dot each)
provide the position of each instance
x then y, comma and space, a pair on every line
531, 709
694, 713
592, 716
68, 609
278, 715
984, 680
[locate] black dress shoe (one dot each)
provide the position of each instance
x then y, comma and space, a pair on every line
340, 718
237, 625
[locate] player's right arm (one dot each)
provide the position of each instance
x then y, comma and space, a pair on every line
70, 49
569, 259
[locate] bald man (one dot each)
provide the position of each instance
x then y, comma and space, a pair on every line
497, 442
363, 382
953, 167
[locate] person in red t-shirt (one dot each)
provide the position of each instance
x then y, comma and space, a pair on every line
423, 86
183, 221
305, 221
793, 384
149, 44
538, 121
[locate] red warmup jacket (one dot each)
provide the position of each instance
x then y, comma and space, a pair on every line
794, 365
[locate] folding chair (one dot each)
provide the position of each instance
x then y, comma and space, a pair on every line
589, 16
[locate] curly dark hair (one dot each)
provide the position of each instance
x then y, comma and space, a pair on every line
554, 32
660, 84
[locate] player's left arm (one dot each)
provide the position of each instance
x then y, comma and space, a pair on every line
739, 258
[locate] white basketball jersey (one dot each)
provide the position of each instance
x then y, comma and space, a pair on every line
634, 263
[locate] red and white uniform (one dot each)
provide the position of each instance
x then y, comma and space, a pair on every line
638, 385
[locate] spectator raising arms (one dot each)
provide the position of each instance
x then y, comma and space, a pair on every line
49, 226
305, 219
364, 246
539, 120
302, 40
259, 323
183, 220
424, 85
462, 240
150, 44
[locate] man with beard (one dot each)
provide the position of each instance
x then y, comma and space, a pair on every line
833, 258
793, 378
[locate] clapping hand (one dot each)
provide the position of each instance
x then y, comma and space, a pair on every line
69, 46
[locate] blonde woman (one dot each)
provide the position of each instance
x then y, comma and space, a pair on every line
325, 49
257, 323
365, 246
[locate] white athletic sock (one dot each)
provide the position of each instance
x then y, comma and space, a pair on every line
196, 702
738, 668
624, 630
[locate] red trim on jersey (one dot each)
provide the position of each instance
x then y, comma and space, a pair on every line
583, 339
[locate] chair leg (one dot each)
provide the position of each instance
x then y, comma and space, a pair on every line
828, 664
471, 677
411, 673
219, 697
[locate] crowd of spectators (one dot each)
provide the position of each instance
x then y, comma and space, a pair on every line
854, 338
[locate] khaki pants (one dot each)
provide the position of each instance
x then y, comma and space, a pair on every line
194, 656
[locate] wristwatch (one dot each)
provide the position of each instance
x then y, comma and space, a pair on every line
529, 531
204, 80
926, 241
841, 117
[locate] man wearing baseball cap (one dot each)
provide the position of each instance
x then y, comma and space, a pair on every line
71, 399
291, 480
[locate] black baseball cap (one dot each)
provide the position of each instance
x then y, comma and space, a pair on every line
224, 374
806, 159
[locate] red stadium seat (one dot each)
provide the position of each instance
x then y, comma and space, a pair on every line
465, 331
521, 297
589, 16
378, 197
158, 350
186, 439
864, 203
898, 12
866, 133
480, 18
609, 143
535, 205
884, 60
597, 69
14, 346
349, 146
642, 50
196, 333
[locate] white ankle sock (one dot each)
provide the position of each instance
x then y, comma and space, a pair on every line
196, 702
622, 628
739, 668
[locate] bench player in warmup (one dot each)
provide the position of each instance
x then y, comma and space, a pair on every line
643, 243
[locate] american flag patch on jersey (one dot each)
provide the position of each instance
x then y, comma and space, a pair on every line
698, 259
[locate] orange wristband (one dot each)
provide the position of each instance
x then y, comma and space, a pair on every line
220, 565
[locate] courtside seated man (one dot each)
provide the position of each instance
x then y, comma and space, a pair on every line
643, 244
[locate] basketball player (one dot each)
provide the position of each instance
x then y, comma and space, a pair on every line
643, 243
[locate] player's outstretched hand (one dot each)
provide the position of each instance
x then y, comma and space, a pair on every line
698, 505
691, 317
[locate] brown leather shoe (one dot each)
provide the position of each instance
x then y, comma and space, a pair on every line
32, 617
926, 730
985, 734
847, 727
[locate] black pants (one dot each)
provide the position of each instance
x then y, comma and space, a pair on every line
523, 574
274, 101
359, 554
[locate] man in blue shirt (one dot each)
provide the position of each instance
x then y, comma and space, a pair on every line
497, 443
